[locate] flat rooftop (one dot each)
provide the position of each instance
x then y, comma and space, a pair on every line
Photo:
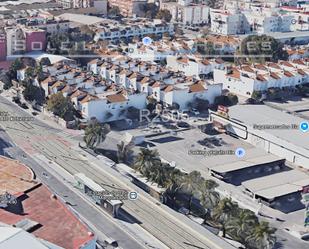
176, 148
246, 163
264, 115
37, 203
277, 185
15, 177
11, 237
82, 19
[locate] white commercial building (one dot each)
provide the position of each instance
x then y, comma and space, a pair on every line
274, 131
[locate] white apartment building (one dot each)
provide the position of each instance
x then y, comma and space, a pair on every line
187, 12
130, 30
259, 18
245, 79
75, 3
52, 27
228, 22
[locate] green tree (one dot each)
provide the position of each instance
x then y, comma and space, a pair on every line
145, 159
95, 133
223, 212
212, 3
133, 113
191, 185
29, 73
150, 10
114, 11
34, 93
124, 152
164, 15
61, 106
201, 104
209, 197
232, 99
15, 66
45, 61
256, 95
240, 227
261, 48
158, 174
263, 236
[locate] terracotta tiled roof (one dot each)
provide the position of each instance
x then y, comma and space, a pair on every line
219, 61
299, 62
88, 98
145, 80
57, 224
115, 98
155, 84
273, 65
260, 67
286, 63
288, 74
196, 88
168, 88
235, 74
184, 60
247, 69
260, 77
301, 72
77, 93
274, 75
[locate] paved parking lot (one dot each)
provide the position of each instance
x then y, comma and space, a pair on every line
187, 154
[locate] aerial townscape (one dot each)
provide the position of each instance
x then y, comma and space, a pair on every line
154, 124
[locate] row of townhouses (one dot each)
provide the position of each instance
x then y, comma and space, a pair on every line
109, 87
159, 50
245, 79
131, 28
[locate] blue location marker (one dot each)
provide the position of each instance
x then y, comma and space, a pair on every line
304, 126
240, 152
147, 41
133, 195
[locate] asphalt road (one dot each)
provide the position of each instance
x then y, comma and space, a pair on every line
81, 207
36, 137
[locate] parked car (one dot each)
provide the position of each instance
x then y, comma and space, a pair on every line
16, 100
24, 106
195, 111
184, 211
111, 241
182, 124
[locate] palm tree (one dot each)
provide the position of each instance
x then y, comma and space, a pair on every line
124, 151
158, 174
174, 178
145, 159
240, 226
191, 185
225, 209
95, 133
209, 198
263, 236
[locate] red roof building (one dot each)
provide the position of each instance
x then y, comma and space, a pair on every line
35, 202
